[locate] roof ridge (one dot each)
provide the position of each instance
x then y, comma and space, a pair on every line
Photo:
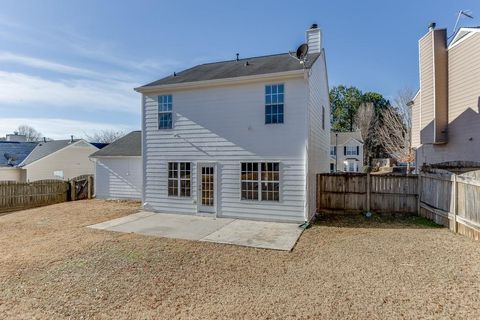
243, 59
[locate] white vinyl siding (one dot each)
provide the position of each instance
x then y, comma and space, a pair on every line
318, 148
118, 178
201, 134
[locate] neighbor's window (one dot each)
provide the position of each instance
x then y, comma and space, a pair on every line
351, 151
179, 174
274, 100
165, 116
333, 150
260, 181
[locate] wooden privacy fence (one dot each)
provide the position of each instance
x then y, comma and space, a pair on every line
360, 192
19, 196
451, 200
448, 199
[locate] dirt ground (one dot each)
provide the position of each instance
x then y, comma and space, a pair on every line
52, 267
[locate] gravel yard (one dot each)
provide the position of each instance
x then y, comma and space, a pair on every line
52, 267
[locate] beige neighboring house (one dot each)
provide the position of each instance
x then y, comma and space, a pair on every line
445, 111
59, 159
346, 152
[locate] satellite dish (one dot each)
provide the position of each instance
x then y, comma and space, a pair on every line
302, 52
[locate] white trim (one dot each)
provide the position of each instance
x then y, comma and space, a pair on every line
113, 157
219, 82
201, 209
470, 32
50, 154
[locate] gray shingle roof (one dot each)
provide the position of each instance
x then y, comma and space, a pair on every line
343, 137
43, 149
233, 68
127, 146
16, 151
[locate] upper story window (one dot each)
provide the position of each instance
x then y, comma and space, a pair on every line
274, 101
351, 150
333, 150
165, 114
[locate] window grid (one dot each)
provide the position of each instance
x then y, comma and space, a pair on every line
274, 103
179, 179
351, 151
333, 150
249, 177
208, 194
165, 114
264, 174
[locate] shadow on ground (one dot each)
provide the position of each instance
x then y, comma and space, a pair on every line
375, 221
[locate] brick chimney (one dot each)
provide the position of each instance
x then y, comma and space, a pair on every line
314, 39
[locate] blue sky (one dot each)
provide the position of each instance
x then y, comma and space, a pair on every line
69, 67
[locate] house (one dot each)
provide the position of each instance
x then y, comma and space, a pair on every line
59, 159
445, 111
243, 138
118, 168
346, 151
13, 153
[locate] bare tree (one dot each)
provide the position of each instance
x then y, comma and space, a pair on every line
105, 136
364, 120
395, 131
29, 132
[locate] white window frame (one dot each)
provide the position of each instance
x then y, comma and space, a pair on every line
160, 111
179, 179
349, 152
271, 104
259, 181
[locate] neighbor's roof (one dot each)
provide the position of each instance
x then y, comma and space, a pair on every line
343, 137
127, 146
17, 150
231, 69
43, 149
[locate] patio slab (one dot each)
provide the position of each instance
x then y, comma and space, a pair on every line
266, 235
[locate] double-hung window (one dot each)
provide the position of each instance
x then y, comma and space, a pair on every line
165, 115
351, 150
260, 181
274, 102
333, 150
179, 175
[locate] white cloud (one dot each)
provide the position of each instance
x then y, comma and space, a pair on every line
60, 128
19, 88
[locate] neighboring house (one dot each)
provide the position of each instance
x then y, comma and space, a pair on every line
118, 168
445, 111
59, 159
242, 138
13, 153
346, 151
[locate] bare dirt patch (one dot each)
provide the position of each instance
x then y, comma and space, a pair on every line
51, 266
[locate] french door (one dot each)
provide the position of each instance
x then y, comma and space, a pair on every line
207, 187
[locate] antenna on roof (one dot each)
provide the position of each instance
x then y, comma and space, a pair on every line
461, 13
301, 54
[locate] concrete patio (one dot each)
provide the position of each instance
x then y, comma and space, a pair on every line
258, 234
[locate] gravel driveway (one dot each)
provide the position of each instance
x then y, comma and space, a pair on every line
51, 266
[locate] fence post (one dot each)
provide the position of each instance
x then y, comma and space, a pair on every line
368, 191
455, 206
89, 187
419, 193
73, 190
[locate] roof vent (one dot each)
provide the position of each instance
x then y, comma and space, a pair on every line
314, 26
247, 64
432, 26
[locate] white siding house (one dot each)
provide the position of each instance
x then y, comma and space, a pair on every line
241, 138
118, 169
346, 152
